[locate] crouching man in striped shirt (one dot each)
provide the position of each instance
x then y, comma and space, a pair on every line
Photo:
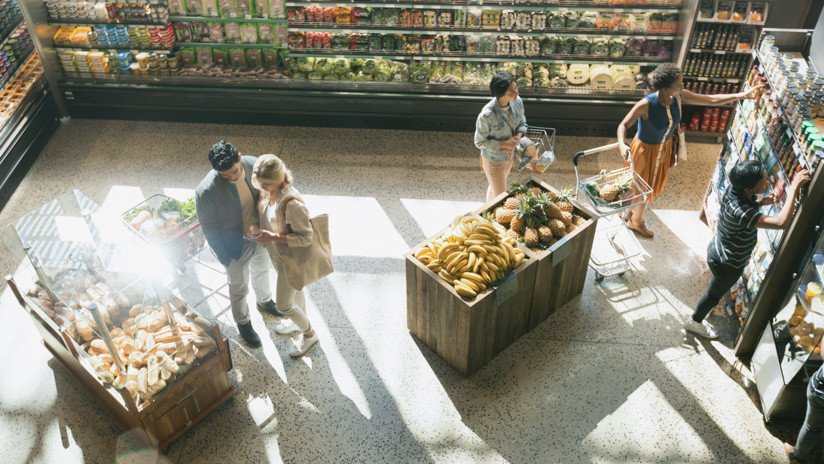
736, 235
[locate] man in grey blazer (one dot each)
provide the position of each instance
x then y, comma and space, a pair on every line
226, 205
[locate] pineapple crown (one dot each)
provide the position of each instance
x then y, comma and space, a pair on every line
565, 194
531, 210
518, 187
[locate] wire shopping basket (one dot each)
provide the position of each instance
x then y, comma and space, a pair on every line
628, 187
163, 222
544, 140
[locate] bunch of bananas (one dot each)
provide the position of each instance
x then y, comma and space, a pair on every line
471, 256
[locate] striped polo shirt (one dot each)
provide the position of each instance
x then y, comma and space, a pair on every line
736, 234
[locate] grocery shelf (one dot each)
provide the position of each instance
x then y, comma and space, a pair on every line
366, 28
20, 63
718, 52
134, 81
639, 7
226, 45
727, 22
212, 19
705, 135
725, 105
101, 48
81, 23
714, 79
641, 61
10, 28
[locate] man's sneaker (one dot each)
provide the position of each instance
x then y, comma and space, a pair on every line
249, 335
702, 329
303, 345
270, 307
287, 327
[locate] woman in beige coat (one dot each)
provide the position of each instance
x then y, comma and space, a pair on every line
284, 221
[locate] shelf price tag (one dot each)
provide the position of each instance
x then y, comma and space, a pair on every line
506, 289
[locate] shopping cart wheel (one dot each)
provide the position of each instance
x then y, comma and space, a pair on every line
598, 276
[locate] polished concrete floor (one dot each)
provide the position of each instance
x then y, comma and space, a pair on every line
610, 378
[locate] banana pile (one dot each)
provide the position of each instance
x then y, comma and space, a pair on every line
471, 256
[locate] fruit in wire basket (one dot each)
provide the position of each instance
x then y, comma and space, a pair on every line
609, 192
472, 255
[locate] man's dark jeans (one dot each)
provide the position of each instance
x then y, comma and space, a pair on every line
724, 277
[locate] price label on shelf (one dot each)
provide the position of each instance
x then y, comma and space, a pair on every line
506, 289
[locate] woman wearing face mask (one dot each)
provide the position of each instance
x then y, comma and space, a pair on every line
658, 116
285, 222
501, 127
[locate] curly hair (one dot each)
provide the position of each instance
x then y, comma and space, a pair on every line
223, 155
664, 76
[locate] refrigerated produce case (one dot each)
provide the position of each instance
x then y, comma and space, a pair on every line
769, 130
28, 112
349, 63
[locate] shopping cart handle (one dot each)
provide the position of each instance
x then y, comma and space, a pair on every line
592, 151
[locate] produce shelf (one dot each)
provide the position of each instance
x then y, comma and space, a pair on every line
81, 23
727, 21
211, 19
582, 5
560, 59
126, 48
366, 28
225, 45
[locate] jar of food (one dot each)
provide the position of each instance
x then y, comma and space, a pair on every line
788, 97
767, 42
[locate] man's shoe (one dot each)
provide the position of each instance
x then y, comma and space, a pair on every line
702, 329
270, 307
249, 335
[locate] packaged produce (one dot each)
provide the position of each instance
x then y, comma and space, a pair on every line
601, 77
507, 20
270, 59
567, 45
757, 12
472, 256
220, 57
582, 46
216, 33
254, 58
617, 47
177, 7
227, 8
724, 10
556, 20
538, 21
578, 74
491, 19
204, 56
209, 8
523, 21
549, 45
739, 12
231, 32
571, 19
600, 48
265, 34
588, 20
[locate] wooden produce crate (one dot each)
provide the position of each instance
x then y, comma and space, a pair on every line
467, 334
173, 411
561, 269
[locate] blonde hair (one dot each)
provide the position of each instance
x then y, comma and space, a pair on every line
270, 168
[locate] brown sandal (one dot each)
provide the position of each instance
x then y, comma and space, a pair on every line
641, 230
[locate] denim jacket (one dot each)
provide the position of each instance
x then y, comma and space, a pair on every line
493, 127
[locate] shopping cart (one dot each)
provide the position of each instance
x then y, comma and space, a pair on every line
615, 245
158, 221
544, 140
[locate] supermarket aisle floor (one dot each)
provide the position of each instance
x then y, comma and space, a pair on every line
609, 378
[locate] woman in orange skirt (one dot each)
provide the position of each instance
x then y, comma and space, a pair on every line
658, 116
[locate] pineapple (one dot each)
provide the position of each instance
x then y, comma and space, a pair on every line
558, 228
515, 235
552, 211
531, 237
569, 228
504, 215
566, 218
610, 192
551, 196
517, 223
536, 191
578, 220
563, 201
545, 233
519, 190
511, 203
